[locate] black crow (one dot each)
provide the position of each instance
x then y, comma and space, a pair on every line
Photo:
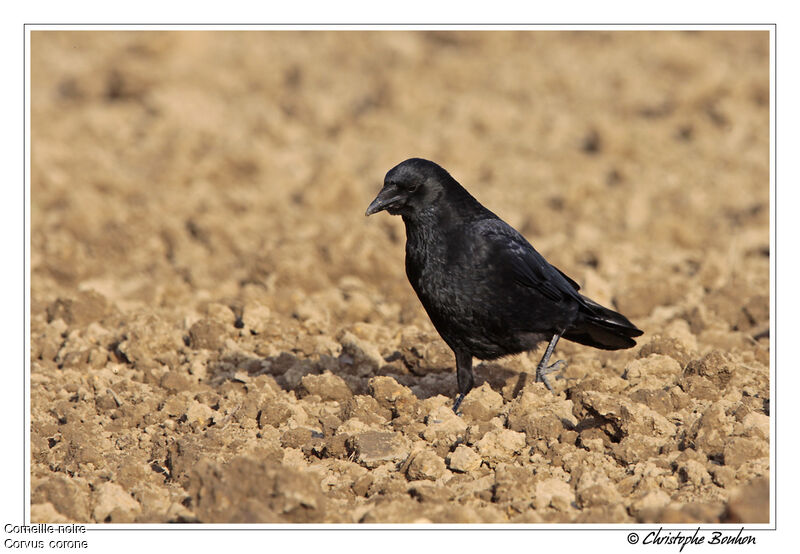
487, 291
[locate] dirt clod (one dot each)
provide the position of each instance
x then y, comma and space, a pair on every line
426, 465
374, 448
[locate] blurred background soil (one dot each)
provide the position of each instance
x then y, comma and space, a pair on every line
218, 334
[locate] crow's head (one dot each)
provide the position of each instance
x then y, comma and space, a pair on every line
409, 187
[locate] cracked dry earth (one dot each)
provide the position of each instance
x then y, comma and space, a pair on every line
219, 335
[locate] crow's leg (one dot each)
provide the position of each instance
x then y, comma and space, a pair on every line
465, 378
543, 370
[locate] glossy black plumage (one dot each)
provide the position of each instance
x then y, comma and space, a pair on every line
488, 292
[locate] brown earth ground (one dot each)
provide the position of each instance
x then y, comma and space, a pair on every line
220, 335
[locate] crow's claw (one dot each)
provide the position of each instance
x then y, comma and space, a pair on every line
542, 373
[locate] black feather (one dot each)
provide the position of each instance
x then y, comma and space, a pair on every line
488, 292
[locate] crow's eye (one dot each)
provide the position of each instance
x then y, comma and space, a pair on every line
413, 187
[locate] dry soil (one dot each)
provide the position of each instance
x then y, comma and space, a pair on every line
218, 334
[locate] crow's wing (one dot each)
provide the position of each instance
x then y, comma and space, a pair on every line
509, 250
575, 285
595, 325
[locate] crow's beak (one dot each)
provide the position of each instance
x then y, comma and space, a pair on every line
386, 198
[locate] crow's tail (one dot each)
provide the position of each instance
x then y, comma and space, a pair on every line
602, 328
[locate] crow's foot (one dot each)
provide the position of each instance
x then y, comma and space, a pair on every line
457, 403
542, 372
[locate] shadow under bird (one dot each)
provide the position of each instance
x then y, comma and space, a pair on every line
487, 291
